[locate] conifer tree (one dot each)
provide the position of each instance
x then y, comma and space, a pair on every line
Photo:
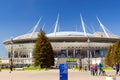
116, 52
113, 54
43, 55
108, 56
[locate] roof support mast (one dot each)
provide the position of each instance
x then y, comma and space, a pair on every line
35, 27
56, 25
102, 26
83, 26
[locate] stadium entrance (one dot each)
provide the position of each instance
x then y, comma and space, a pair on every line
77, 57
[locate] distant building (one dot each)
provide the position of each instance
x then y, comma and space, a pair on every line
85, 48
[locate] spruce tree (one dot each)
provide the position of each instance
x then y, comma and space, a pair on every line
43, 55
108, 56
113, 54
116, 52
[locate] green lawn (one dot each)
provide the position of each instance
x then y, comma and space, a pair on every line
108, 68
31, 68
5, 69
37, 68
34, 68
71, 59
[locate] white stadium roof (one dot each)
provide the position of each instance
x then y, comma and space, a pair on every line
55, 34
66, 34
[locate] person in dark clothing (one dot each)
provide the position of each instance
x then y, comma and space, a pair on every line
117, 68
0, 68
92, 70
100, 68
11, 68
80, 67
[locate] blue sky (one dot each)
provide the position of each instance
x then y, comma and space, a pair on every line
18, 17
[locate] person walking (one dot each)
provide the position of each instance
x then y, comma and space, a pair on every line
117, 68
11, 68
100, 68
92, 70
85, 68
96, 69
80, 67
0, 68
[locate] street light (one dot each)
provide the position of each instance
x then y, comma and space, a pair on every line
11, 53
88, 53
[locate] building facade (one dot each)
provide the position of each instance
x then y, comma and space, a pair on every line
65, 45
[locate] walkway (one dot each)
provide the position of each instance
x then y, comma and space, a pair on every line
51, 75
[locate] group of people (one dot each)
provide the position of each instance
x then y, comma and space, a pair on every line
97, 69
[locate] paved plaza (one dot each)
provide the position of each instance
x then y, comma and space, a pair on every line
51, 75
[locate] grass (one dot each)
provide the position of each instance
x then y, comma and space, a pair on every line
31, 68
5, 69
71, 59
37, 68
34, 68
108, 68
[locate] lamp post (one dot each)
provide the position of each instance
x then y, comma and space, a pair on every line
11, 53
88, 53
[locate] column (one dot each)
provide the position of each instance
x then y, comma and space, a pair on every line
13, 56
73, 52
94, 57
67, 52
18, 54
30, 53
90, 54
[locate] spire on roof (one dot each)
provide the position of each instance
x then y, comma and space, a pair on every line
102, 26
35, 27
83, 26
56, 25
43, 27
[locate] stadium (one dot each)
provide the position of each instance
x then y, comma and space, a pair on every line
71, 47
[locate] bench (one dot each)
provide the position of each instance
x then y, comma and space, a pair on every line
19, 69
